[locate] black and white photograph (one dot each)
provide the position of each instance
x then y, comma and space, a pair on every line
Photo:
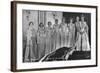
53, 36
56, 36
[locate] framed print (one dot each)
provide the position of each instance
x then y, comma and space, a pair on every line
47, 36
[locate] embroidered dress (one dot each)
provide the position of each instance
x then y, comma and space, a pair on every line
31, 45
41, 36
48, 39
56, 36
71, 35
78, 36
83, 40
66, 35
34, 42
63, 34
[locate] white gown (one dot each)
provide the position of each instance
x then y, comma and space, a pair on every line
41, 42
63, 35
56, 36
66, 29
83, 40
71, 34
48, 39
31, 47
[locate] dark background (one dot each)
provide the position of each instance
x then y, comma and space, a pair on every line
73, 15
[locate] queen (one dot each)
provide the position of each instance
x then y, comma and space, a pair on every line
83, 40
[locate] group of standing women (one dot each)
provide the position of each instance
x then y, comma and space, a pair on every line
47, 39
